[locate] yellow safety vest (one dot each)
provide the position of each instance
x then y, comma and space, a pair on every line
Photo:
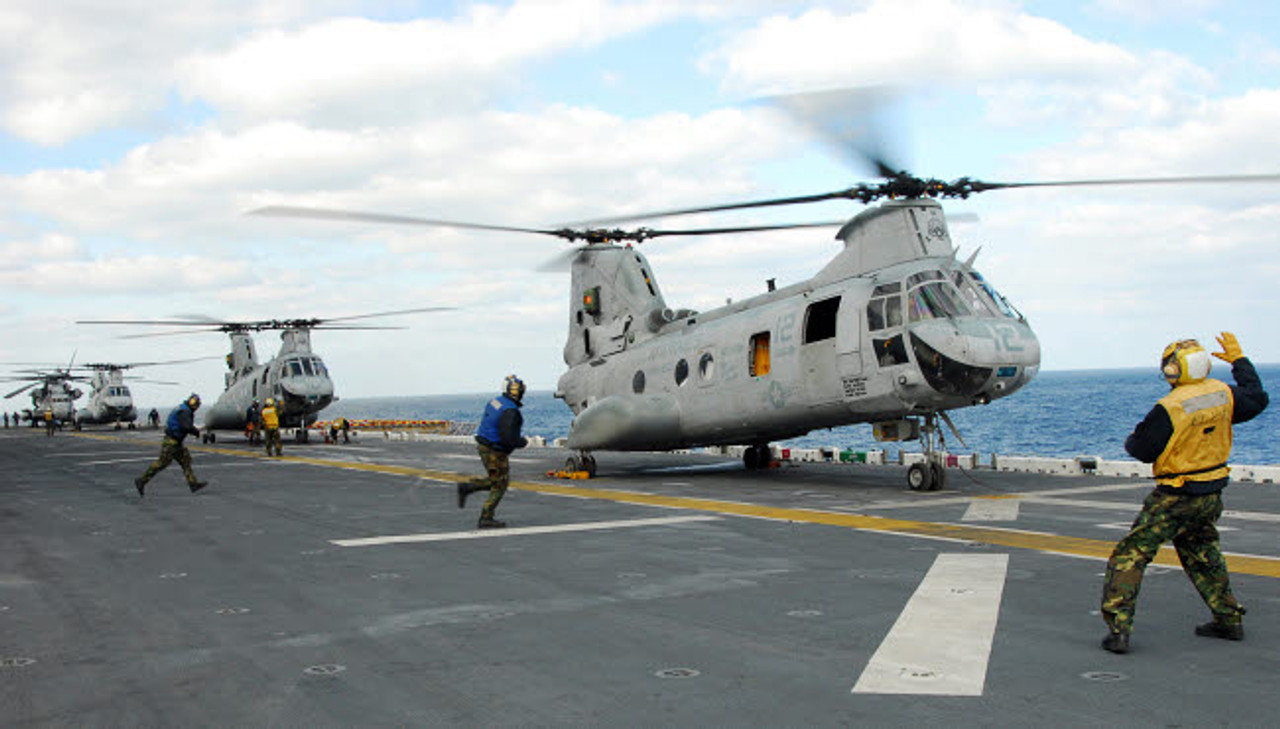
1201, 440
269, 418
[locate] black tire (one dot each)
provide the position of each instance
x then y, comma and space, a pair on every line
939, 475
213, 437
572, 464
920, 477
589, 465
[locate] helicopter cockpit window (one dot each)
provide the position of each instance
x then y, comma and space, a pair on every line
972, 295
919, 278
820, 320
890, 351
885, 309
124, 392
637, 382
319, 367
306, 367
1002, 305
935, 300
295, 367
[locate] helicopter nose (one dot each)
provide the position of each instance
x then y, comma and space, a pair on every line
977, 359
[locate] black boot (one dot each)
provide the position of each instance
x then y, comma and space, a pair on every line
141, 486
463, 491
198, 485
1226, 631
488, 522
1116, 642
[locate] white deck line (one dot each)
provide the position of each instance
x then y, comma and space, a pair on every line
992, 510
941, 642
518, 531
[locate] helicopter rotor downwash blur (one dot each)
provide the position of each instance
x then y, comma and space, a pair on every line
296, 377
895, 330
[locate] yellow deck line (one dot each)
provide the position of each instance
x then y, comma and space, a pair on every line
1042, 542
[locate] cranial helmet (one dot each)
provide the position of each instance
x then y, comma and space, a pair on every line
1185, 362
513, 387
194, 401
271, 402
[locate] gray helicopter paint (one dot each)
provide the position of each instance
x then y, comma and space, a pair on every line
834, 381
103, 406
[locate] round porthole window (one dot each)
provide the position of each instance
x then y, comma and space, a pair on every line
682, 372
706, 366
637, 383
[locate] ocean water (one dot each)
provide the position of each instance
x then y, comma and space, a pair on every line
1059, 414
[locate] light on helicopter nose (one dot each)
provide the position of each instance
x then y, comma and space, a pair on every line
982, 399
902, 379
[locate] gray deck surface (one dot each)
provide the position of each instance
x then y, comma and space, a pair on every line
235, 607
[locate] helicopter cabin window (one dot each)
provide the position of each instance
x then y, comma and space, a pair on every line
820, 320
682, 371
637, 382
758, 365
706, 366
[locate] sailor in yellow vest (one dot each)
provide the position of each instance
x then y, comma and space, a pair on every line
271, 427
1187, 438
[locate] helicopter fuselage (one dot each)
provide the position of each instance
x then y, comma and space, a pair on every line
869, 339
110, 401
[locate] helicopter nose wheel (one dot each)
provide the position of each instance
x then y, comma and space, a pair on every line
757, 456
582, 462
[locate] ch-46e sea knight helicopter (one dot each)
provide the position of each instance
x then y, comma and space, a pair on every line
110, 400
296, 377
895, 330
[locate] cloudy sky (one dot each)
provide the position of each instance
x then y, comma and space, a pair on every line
134, 137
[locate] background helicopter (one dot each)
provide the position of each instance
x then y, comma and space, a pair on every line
50, 390
895, 330
110, 400
296, 377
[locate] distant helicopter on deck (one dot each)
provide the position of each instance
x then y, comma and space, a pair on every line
895, 330
51, 390
110, 399
296, 377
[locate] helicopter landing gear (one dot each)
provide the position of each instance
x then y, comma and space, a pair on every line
583, 462
757, 456
208, 437
301, 435
930, 475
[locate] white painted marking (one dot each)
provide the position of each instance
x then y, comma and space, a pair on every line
518, 531
992, 510
118, 460
941, 642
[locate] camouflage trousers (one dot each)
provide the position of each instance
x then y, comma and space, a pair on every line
498, 467
1189, 522
273, 441
170, 451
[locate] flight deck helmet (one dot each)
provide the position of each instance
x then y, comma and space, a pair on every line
513, 387
1185, 362
193, 401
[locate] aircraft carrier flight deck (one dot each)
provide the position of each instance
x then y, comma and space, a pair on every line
341, 586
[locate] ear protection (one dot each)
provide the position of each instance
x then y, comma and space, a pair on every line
1185, 362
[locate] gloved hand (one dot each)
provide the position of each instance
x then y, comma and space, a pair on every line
1230, 348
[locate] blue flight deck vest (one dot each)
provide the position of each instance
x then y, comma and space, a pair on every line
489, 422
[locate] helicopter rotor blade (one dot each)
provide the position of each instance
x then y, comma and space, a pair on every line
387, 313
1177, 180
846, 120
291, 211
21, 390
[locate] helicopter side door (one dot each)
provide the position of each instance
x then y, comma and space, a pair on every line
818, 347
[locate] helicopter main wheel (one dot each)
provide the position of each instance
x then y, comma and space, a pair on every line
757, 456
920, 477
939, 474
573, 464
301, 435
589, 465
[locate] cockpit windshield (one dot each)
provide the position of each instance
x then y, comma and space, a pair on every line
997, 301
935, 300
